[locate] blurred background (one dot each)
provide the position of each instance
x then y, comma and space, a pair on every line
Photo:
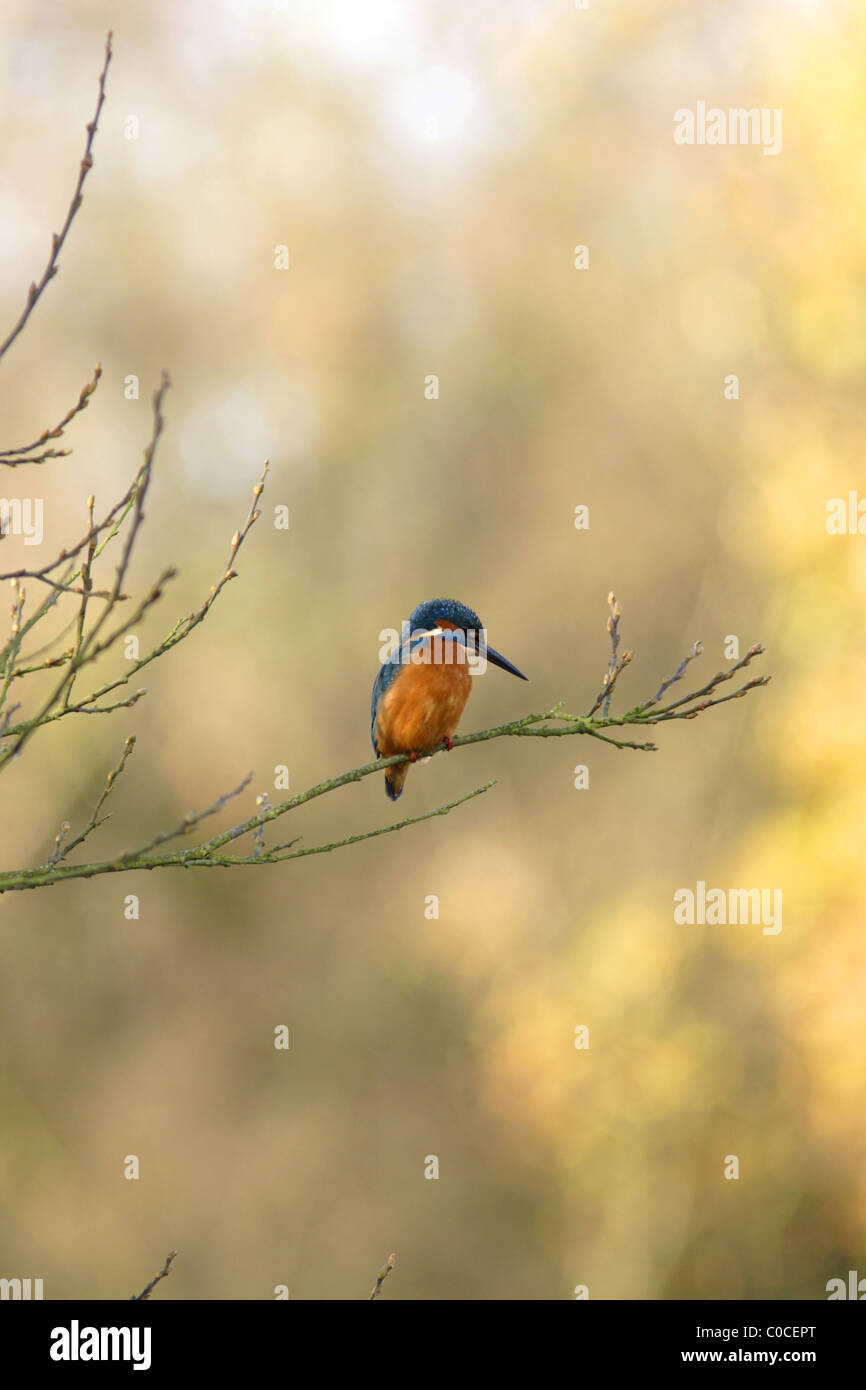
431, 170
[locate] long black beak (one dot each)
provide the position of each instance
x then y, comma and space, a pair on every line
502, 663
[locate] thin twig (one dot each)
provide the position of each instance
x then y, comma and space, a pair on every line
12, 458
694, 651
181, 630
111, 523
58, 238
718, 678
163, 1273
614, 667
691, 713
95, 821
382, 1276
191, 821
87, 648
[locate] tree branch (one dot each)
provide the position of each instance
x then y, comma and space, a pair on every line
58, 238
211, 853
163, 1273
13, 458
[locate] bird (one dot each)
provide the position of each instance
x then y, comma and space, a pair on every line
421, 691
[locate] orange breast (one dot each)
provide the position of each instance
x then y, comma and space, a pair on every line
424, 703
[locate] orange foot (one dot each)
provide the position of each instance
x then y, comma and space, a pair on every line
413, 757
449, 744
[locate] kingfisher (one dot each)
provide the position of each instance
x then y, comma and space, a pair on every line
422, 689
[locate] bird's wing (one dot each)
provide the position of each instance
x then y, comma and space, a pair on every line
387, 673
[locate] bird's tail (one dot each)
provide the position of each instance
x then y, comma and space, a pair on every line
394, 779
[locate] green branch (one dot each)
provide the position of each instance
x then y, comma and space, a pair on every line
212, 853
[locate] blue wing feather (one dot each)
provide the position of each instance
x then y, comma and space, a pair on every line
387, 674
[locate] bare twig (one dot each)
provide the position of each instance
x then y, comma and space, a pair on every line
107, 529
718, 678
382, 1276
708, 704
95, 821
614, 667
163, 1273
13, 458
58, 238
88, 647
179, 632
678, 674
191, 821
